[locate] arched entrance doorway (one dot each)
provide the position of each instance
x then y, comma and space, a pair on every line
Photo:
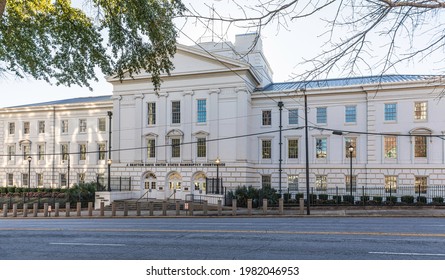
199, 183
175, 185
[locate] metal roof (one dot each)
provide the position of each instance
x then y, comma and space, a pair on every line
343, 82
90, 99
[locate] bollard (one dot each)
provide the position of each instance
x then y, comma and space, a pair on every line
79, 209
280, 206
138, 208
164, 208
219, 207
113, 209
90, 208
205, 207
56, 209
233, 207
67, 209
249, 207
178, 208
151, 207
191, 206
45, 209
35, 209
125, 209
301, 206
25, 210
14, 210
102, 208
5, 210
265, 206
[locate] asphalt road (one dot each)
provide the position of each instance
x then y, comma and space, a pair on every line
223, 238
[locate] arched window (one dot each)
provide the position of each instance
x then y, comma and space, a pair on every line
150, 181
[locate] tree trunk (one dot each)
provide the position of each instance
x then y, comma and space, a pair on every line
2, 7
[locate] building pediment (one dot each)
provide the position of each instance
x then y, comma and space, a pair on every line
420, 131
175, 133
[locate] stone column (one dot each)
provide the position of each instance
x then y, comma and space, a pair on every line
67, 209
249, 207
264, 206
233, 207
56, 209
25, 210
90, 209
79, 209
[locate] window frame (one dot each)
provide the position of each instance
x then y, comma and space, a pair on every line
266, 117
390, 112
293, 116
41, 127
83, 125
390, 145
201, 111
292, 149
201, 147
421, 114
322, 115
266, 149
350, 114
176, 112
151, 113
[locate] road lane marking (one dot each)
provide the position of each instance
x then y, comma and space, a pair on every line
408, 254
353, 233
87, 244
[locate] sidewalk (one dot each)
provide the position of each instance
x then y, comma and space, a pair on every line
242, 212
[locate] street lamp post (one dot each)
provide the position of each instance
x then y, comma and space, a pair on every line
217, 162
29, 172
351, 151
110, 114
109, 174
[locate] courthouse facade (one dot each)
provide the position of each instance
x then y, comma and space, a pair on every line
220, 115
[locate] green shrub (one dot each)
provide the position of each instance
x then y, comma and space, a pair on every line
11, 189
391, 199
377, 199
421, 199
438, 200
337, 198
287, 197
409, 199
298, 196
312, 198
323, 196
348, 199
364, 198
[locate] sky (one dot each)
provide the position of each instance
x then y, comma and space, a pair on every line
284, 46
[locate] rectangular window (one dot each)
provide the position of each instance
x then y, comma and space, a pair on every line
82, 151
64, 126
63, 180
176, 112
25, 179
420, 184
41, 127
321, 147
420, 110
81, 178
11, 152
420, 147
390, 146
10, 177
351, 142
348, 184
102, 151
351, 114
176, 148
293, 116
101, 123
26, 127
292, 148
151, 148
201, 147
322, 115
11, 128
267, 117
266, 149
151, 113
321, 182
39, 180
64, 149
391, 112
390, 184
82, 126
202, 111
41, 151
266, 181
26, 151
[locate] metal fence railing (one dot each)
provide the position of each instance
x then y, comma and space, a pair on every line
371, 195
116, 183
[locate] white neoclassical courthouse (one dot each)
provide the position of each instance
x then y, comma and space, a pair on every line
220, 115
